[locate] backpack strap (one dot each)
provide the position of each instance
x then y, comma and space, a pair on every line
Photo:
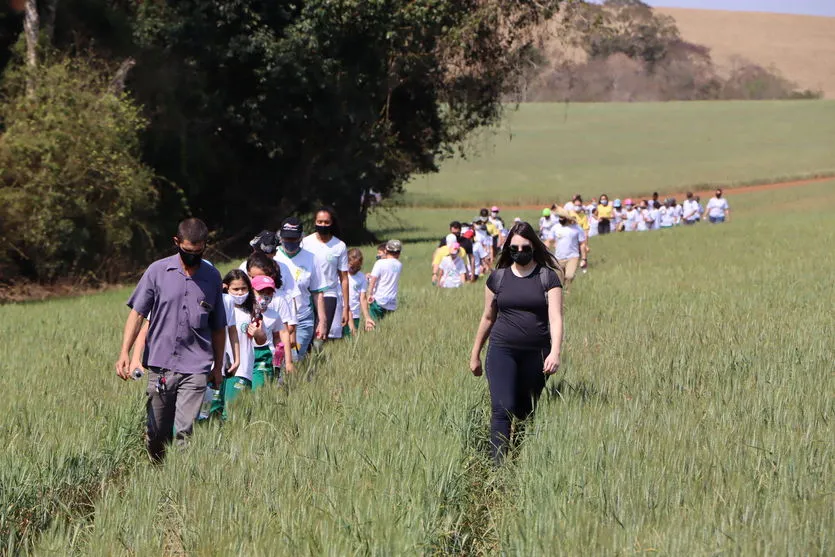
499, 273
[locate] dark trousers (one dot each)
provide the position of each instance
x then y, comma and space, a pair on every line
604, 226
172, 406
516, 380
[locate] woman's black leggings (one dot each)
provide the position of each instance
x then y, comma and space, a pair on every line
516, 380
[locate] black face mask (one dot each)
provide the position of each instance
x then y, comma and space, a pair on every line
190, 259
323, 230
718, 195
521, 257
290, 247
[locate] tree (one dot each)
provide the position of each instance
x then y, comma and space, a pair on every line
265, 108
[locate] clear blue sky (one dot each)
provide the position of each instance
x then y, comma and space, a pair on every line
808, 7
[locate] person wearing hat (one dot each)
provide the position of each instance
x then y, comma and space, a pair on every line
547, 222
265, 242
442, 252
484, 241
617, 215
499, 226
384, 282
302, 281
452, 273
630, 216
570, 244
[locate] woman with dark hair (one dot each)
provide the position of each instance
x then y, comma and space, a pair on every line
523, 320
331, 255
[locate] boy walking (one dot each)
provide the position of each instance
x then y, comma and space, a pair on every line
384, 282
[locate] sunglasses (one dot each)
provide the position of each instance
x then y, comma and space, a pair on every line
523, 249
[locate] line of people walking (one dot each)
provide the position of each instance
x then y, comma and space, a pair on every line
203, 340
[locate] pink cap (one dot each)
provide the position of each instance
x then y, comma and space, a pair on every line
494, 209
628, 201
262, 282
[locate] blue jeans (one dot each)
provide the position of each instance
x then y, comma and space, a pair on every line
716, 220
304, 335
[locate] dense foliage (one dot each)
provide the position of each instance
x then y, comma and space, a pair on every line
261, 109
75, 200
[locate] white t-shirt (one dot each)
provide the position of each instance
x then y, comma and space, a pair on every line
631, 220
593, 222
655, 214
336, 325
679, 212
691, 210
667, 217
331, 257
299, 276
387, 272
357, 284
453, 269
642, 225
716, 207
479, 254
271, 322
568, 241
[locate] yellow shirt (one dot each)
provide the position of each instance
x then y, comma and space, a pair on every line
605, 211
582, 220
492, 229
443, 251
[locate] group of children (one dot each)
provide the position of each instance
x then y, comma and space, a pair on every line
468, 251
601, 217
289, 296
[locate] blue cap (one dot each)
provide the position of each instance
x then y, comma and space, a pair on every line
616, 203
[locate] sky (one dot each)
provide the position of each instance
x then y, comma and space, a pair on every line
807, 7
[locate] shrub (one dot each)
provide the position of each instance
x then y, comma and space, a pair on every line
74, 195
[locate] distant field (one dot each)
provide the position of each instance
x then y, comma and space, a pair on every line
801, 47
546, 152
695, 417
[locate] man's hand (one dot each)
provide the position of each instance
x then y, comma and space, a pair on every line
321, 331
123, 366
216, 377
370, 324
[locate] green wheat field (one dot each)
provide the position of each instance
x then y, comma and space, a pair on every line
693, 414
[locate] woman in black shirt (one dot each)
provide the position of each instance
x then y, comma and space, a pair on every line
523, 319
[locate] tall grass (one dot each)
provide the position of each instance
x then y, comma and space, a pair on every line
694, 415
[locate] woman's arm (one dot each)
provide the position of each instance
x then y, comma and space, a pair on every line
440, 277
488, 317
552, 362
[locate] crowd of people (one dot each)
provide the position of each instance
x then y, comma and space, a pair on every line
203, 339
470, 248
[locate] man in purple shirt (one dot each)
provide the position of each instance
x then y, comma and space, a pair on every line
182, 298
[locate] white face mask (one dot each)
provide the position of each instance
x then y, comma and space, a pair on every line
239, 299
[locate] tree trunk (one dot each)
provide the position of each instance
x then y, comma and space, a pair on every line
117, 84
31, 29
